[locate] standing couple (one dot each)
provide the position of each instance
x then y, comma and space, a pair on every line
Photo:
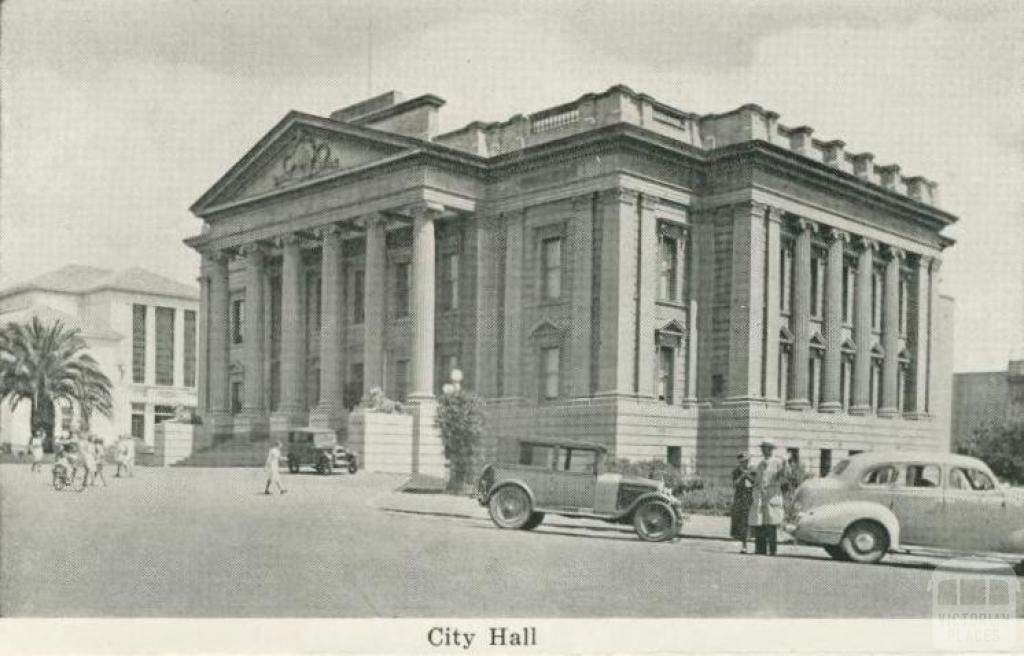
758, 501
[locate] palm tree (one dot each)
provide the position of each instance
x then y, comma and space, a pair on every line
46, 364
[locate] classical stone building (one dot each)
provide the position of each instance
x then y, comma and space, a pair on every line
676, 286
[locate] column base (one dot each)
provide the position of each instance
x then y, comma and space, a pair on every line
887, 413
327, 416
797, 404
830, 406
251, 427
860, 410
916, 416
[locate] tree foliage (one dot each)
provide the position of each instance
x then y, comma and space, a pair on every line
460, 417
1000, 445
46, 364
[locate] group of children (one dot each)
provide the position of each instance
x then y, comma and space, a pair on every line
89, 453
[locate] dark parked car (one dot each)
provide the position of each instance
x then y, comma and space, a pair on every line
319, 448
567, 478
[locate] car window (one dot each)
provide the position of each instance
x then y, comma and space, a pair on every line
583, 461
537, 455
884, 475
923, 476
965, 478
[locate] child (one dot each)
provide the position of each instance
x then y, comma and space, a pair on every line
97, 447
273, 468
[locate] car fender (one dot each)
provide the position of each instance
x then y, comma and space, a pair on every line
826, 524
672, 502
511, 481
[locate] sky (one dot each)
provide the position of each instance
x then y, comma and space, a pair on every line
116, 115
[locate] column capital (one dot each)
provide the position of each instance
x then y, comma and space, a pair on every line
749, 208
800, 224
775, 214
934, 265
895, 253
649, 202
864, 243
618, 194
325, 232
426, 210
836, 235
253, 248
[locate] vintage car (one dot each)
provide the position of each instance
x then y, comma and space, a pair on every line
876, 502
567, 478
319, 448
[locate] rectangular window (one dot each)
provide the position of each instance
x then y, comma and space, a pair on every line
551, 265
666, 373
164, 346
668, 270
359, 297
824, 462
675, 456
190, 348
783, 374
401, 381
402, 284
237, 396
848, 284
354, 388
786, 279
877, 294
904, 288
816, 286
446, 364
237, 321
793, 455
314, 290
812, 379
138, 343
450, 282
139, 420
550, 361
537, 455
162, 413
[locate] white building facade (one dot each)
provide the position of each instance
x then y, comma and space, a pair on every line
139, 326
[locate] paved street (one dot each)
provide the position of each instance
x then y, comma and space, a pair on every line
208, 543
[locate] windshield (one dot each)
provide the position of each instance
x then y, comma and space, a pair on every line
839, 468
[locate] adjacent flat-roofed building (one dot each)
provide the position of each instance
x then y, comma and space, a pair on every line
139, 326
673, 285
988, 397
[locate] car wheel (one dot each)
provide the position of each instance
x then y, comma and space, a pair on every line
353, 467
325, 467
534, 521
865, 542
293, 465
58, 482
510, 507
836, 552
654, 521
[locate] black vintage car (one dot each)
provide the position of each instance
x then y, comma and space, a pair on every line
567, 478
319, 448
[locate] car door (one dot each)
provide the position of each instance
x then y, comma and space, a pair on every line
574, 481
975, 511
917, 504
537, 462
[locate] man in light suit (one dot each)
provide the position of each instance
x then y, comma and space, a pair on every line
767, 508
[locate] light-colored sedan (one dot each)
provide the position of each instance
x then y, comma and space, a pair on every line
877, 502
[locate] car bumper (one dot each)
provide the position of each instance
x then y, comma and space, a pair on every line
806, 531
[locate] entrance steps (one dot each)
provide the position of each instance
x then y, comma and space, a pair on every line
229, 454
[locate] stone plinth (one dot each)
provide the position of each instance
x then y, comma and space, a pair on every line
173, 442
384, 442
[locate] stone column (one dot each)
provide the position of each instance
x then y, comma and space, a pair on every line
253, 407
646, 264
862, 329
772, 302
373, 303
511, 382
832, 370
618, 279
330, 409
422, 301
218, 322
933, 336
692, 317
917, 333
800, 319
580, 252
891, 335
746, 341
150, 354
202, 337
293, 352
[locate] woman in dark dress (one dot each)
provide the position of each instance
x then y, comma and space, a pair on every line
742, 496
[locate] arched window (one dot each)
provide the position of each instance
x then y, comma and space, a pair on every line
848, 350
785, 357
814, 370
668, 342
901, 381
877, 358
548, 340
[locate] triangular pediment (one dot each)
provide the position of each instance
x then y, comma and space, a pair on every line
301, 149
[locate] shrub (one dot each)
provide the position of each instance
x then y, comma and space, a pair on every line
460, 418
1000, 445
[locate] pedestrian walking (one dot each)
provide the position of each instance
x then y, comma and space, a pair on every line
742, 497
98, 451
86, 458
767, 508
122, 456
273, 468
35, 445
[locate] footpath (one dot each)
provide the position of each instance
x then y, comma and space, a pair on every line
463, 507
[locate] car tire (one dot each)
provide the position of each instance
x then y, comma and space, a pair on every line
836, 552
865, 542
510, 507
534, 521
293, 466
324, 467
655, 521
353, 467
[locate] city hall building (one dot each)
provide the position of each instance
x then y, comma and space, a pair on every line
672, 285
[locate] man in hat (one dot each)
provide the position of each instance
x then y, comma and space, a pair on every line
767, 508
742, 496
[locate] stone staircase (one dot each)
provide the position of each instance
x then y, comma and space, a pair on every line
229, 454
